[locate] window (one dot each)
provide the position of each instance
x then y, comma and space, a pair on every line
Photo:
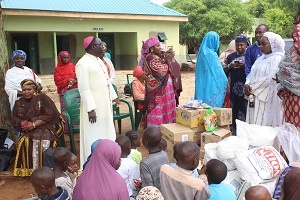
162, 36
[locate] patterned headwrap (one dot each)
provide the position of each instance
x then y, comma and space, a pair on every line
146, 48
29, 83
18, 52
149, 193
138, 72
276, 42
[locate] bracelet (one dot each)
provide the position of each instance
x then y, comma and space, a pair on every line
33, 124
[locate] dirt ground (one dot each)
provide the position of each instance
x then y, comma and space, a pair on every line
20, 188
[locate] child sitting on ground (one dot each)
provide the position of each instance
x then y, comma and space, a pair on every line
163, 144
178, 183
216, 172
128, 169
61, 158
135, 139
43, 182
73, 168
175, 149
257, 192
150, 165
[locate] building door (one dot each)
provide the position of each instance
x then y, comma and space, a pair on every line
29, 44
108, 38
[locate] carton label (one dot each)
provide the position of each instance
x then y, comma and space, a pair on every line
185, 138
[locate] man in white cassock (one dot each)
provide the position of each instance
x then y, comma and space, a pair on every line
97, 94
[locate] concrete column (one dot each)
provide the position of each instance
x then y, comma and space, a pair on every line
55, 48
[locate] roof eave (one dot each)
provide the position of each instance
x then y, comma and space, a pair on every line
83, 15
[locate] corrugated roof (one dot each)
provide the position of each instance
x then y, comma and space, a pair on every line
135, 7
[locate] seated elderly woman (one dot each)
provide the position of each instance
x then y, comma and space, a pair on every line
138, 86
16, 75
38, 120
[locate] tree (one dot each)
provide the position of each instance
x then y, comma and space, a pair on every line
279, 22
278, 13
227, 17
5, 114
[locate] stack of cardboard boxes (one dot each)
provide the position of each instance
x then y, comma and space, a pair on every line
189, 126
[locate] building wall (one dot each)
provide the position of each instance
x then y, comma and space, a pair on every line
129, 35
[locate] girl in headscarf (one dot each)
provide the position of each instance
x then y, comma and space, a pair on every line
100, 180
16, 75
160, 102
138, 86
265, 107
64, 77
38, 120
289, 78
210, 80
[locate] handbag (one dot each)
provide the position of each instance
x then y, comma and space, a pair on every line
5, 157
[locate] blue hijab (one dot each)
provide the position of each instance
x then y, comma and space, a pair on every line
210, 80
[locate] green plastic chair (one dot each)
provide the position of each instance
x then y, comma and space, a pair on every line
72, 113
119, 116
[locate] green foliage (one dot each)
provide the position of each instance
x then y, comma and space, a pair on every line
227, 17
278, 13
279, 22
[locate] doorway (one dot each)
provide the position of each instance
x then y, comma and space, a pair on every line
29, 44
108, 38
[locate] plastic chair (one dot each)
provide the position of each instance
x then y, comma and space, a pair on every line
119, 116
72, 113
137, 113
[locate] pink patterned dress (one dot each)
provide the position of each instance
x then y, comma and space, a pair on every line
160, 97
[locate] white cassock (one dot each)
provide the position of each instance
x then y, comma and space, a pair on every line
96, 93
13, 79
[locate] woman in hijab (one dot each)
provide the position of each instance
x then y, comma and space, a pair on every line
289, 78
38, 120
210, 80
138, 86
64, 77
16, 75
265, 107
149, 193
236, 73
100, 180
160, 102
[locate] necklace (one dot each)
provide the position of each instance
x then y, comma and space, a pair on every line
99, 62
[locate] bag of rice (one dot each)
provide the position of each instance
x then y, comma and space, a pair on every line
260, 164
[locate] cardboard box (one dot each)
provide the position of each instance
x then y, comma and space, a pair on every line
224, 116
189, 117
177, 132
227, 127
197, 134
202, 152
170, 147
214, 136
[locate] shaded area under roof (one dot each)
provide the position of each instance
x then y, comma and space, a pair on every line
134, 7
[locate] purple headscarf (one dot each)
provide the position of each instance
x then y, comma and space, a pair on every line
146, 48
100, 180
